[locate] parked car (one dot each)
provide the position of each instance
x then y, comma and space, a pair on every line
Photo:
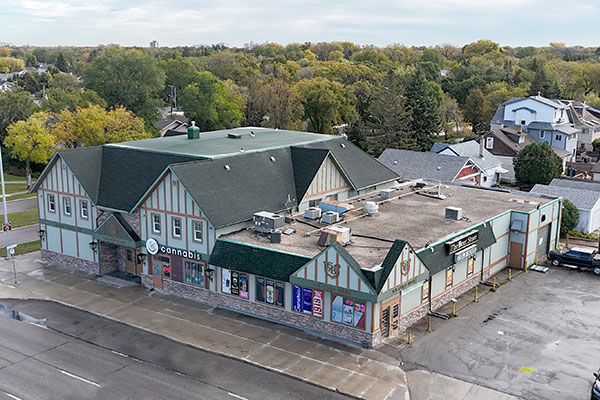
596, 386
583, 257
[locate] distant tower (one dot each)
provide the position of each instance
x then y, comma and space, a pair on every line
154, 44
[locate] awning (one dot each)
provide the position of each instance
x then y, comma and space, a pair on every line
501, 170
116, 230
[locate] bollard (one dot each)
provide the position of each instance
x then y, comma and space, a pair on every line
476, 299
408, 339
510, 274
494, 284
429, 323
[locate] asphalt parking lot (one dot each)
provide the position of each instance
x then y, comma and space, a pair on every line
537, 337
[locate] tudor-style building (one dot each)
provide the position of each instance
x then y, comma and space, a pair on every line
178, 213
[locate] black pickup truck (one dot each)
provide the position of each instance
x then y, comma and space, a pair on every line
582, 257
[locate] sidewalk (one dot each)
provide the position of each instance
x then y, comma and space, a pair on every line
368, 374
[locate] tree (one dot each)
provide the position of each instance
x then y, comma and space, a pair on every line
425, 101
14, 106
453, 117
61, 63
325, 104
540, 83
282, 106
537, 163
128, 78
94, 126
477, 111
31, 141
10, 64
569, 218
57, 100
31, 61
33, 82
208, 102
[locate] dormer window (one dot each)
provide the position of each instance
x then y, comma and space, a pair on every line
542, 134
489, 143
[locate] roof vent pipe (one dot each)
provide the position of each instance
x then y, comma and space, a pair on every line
481, 146
193, 131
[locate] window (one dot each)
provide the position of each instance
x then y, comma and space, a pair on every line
51, 203
307, 301
197, 225
270, 292
129, 255
489, 143
235, 283
449, 276
155, 223
470, 266
83, 207
314, 203
176, 232
542, 134
348, 311
194, 273
558, 137
67, 205
425, 291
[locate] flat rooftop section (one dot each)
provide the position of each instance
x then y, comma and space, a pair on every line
415, 217
218, 144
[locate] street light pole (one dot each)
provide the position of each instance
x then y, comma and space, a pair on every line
8, 255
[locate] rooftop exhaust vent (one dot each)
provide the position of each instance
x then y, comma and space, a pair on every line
252, 134
454, 213
227, 167
371, 208
272, 158
233, 135
193, 131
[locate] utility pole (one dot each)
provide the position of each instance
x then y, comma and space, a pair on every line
6, 229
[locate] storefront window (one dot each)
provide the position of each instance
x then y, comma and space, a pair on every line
449, 274
425, 291
235, 283
307, 301
270, 292
470, 266
348, 311
194, 273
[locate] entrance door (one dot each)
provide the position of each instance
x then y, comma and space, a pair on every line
543, 243
516, 249
161, 270
130, 261
385, 322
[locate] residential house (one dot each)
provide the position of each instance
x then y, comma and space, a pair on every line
411, 165
172, 125
584, 195
544, 119
5, 86
490, 166
587, 121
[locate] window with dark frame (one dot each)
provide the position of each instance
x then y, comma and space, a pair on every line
307, 301
348, 311
425, 291
235, 283
67, 205
155, 223
176, 232
270, 291
51, 203
197, 226
558, 137
470, 266
83, 207
129, 255
195, 273
449, 276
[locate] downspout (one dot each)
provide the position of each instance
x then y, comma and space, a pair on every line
429, 293
482, 261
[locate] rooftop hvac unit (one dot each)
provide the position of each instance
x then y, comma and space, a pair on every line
371, 208
386, 194
330, 217
312, 213
454, 213
343, 234
267, 222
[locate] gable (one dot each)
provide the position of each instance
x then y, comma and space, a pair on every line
406, 270
59, 177
328, 178
117, 231
344, 275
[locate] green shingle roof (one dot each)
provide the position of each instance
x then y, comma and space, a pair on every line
436, 258
256, 260
379, 277
306, 163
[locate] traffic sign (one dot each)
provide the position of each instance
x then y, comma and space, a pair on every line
7, 226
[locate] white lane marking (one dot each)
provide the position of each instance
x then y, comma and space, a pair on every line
236, 396
80, 378
12, 396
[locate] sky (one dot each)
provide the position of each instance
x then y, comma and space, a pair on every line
190, 22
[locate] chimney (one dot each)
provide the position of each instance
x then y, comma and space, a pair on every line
193, 131
481, 140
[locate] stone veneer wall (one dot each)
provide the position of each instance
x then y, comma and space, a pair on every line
75, 263
109, 257
274, 313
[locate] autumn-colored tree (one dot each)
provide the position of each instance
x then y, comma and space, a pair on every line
31, 141
94, 126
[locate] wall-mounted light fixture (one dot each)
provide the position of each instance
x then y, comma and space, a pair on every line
41, 234
141, 257
93, 246
210, 273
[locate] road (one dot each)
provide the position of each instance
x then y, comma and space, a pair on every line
13, 206
21, 235
84, 356
535, 338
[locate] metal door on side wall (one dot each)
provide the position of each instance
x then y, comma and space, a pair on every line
515, 253
161, 268
543, 243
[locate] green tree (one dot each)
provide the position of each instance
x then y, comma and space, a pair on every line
128, 78
325, 104
57, 100
94, 126
481, 47
33, 82
537, 163
425, 100
208, 102
282, 106
31, 141
476, 110
10, 64
61, 63
540, 83
453, 116
14, 106
31, 61
569, 218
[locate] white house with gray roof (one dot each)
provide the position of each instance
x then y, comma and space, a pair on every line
546, 120
584, 195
